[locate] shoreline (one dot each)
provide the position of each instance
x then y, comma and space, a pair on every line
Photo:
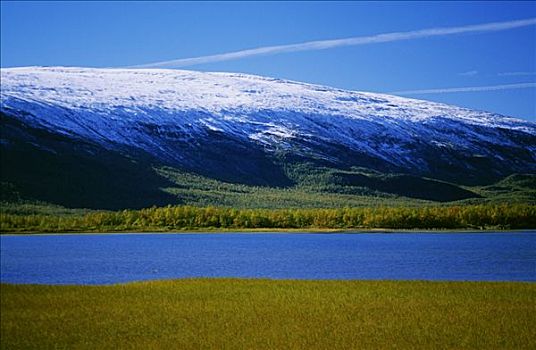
273, 231
268, 280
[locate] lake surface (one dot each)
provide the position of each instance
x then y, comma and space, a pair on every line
115, 258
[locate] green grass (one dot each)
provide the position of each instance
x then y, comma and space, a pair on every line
270, 314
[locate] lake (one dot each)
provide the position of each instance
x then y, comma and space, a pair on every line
115, 258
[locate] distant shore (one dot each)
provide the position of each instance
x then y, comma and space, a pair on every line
220, 219
272, 231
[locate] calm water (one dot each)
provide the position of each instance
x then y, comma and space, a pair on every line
102, 259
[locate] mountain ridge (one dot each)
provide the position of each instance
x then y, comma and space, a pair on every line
244, 129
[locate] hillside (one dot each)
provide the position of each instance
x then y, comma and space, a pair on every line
131, 138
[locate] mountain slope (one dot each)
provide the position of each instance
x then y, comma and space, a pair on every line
114, 127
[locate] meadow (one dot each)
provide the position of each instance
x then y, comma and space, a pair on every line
270, 314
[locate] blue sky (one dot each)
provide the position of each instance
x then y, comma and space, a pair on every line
118, 34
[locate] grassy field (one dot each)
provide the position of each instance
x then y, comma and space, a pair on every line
270, 314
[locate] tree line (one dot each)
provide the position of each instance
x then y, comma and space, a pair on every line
503, 216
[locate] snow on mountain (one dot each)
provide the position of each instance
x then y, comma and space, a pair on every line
154, 109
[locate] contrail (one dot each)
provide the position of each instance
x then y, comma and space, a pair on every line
327, 44
466, 89
511, 74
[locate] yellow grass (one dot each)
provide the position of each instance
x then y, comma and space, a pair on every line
270, 314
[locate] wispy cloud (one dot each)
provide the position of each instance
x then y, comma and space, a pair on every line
328, 44
515, 74
469, 73
466, 89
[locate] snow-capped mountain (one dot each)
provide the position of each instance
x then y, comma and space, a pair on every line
241, 127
